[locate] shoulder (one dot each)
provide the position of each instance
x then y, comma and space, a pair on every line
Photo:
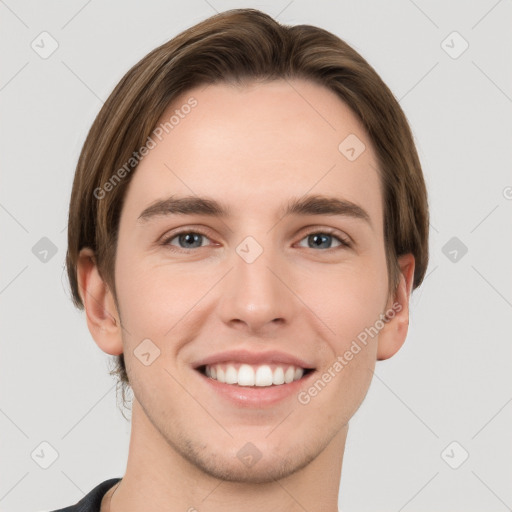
91, 502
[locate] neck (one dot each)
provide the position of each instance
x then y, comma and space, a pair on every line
158, 478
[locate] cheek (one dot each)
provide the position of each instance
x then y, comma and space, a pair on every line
350, 305
156, 297
148, 300
348, 299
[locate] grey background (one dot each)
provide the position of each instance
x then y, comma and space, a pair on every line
450, 381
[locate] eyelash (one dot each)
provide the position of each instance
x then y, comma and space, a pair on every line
344, 243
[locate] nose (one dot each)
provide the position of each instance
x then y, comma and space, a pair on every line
256, 295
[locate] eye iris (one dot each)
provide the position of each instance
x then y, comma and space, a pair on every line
319, 239
316, 240
188, 238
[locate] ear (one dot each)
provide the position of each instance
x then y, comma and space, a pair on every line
103, 319
392, 335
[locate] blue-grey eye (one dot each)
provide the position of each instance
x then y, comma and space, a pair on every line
188, 240
322, 240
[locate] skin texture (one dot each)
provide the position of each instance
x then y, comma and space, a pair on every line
252, 148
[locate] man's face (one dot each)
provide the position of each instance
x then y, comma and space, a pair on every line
254, 293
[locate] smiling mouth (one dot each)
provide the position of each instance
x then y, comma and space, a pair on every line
263, 375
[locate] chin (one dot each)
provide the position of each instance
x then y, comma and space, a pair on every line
245, 463
268, 468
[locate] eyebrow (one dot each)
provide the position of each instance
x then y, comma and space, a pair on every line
307, 205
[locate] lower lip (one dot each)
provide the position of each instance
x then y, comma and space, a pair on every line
257, 396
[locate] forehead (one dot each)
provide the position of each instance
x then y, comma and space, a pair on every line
255, 145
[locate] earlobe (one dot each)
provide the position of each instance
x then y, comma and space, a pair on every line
394, 333
100, 309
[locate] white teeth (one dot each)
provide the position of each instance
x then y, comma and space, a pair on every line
247, 375
263, 376
220, 375
289, 374
231, 375
278, 377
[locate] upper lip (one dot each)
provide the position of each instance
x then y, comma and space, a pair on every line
248, 357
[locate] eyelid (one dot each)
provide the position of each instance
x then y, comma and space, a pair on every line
170, 235
344, 239
341, 236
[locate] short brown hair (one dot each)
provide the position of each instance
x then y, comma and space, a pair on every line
238, 46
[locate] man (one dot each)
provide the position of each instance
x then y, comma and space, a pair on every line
247, 222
